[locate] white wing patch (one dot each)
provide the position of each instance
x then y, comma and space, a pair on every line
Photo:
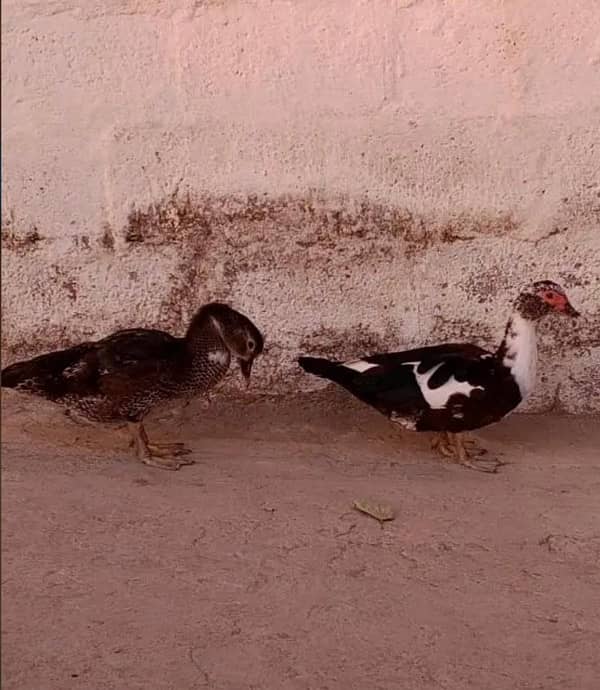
359, 365
74, 370
437, 398
218, 357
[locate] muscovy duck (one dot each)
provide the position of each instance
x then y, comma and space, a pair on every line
125, 375
453, 388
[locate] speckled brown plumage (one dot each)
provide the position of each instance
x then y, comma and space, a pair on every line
123, 376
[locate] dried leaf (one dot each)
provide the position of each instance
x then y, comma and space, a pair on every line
379, 511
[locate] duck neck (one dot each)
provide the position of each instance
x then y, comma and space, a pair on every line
205, 339
518, 351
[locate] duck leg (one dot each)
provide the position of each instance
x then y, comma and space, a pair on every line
156, 454
472, 458
473, 446
79, 420
464, 451
166, 449
443, 444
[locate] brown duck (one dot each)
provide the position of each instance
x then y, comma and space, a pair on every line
122, 377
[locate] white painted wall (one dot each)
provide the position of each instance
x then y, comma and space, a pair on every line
414, 163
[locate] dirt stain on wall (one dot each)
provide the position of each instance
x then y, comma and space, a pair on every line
19, 240
218, 241
239, 234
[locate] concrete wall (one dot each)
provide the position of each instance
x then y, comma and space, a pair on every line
352, 174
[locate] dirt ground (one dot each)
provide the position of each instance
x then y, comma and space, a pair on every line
249, 570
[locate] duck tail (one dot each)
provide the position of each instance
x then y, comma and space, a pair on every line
15, 374
325, 369
43, 374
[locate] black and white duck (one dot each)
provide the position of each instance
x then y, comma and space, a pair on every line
453, 388
122, 377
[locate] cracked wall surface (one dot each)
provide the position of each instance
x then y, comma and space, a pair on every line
355, 176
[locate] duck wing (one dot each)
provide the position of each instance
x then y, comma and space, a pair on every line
407, 382
426, 378
113, 364
135, 347
52, 374
135, 359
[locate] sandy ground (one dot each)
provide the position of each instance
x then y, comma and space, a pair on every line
250, 570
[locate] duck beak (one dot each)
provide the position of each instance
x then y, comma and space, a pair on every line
569, 310
246, 368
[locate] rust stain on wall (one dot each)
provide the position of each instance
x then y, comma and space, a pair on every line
214, 247
310, 220
17, 240
240, 234
107, 239
168, 221
66, 282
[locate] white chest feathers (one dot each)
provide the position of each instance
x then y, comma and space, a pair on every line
521, 353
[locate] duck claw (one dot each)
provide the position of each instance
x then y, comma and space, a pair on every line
167, 449
166, 456
466, 452
489, 465
162, 463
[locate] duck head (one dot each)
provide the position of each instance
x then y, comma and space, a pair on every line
241, 337
542, 298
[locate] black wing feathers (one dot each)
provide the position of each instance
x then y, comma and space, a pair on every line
428, 357
136, 346
46, 373
93, 368
391, 385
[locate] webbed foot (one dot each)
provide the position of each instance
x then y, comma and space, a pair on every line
465, 451
166, 456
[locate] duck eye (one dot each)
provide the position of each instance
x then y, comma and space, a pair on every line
251, 344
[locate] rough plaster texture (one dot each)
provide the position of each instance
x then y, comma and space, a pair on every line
353, 175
